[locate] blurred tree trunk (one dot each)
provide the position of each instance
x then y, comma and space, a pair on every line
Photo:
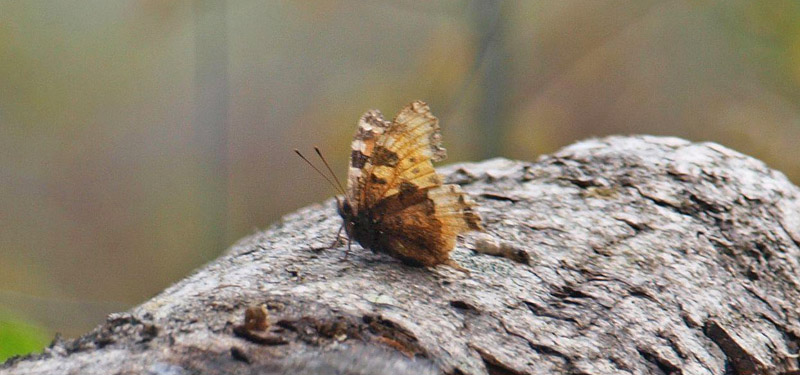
636, 255
210, 120
493, 67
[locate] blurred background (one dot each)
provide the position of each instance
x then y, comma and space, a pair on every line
140, 138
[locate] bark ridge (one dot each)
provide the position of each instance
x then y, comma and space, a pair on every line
621, 255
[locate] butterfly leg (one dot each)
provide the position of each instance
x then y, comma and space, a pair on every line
347, 252
336, 240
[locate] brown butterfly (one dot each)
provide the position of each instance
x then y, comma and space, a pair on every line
395, 202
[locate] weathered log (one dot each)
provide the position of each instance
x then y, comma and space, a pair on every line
634, 255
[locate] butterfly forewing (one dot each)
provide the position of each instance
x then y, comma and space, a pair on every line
370, 127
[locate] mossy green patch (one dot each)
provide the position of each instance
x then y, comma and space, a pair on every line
18, 336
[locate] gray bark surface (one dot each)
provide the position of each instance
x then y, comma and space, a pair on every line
622, 255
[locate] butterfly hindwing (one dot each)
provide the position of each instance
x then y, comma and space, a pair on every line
420, 226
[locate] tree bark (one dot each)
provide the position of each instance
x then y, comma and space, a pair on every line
623, 255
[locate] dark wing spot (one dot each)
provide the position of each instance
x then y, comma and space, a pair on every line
415, 170
384, 156
430, 206
472, 219
357, 159
407, 187
473, 222
376, 180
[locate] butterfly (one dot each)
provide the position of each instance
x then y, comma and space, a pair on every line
395, 202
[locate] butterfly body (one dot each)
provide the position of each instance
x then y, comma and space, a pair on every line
395, 202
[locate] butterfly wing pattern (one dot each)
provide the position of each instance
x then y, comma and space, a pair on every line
396, 202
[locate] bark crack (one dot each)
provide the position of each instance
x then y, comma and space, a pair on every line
663, 364
742, 361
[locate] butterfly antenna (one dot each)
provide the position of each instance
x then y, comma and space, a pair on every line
341, 188
318, 171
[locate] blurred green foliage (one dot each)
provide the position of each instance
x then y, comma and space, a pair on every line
114, 182
18, 336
